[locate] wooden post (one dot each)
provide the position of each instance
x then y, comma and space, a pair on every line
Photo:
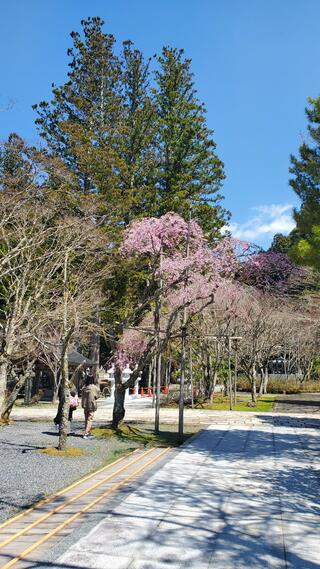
158, 389
149, 375
191, 376
230, 375
154, 382
235, 375
183, 348
157, 365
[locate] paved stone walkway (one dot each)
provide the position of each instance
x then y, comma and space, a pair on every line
236, 497
141, 410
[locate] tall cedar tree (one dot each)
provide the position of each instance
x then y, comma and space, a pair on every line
306, 184
189, 171
138, 134
101, 121
144, 150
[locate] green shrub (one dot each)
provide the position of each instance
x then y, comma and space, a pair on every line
280, 385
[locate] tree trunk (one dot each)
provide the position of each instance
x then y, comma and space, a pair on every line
3, 384
9, 403
213, 385
56, 385
119, 397
262, 381
36, 381
254, 385
11, 397
266, 379
28, 390
65, 394
65, 387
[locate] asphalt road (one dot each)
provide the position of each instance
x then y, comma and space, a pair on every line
299, 403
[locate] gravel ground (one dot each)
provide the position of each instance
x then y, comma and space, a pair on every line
27, 475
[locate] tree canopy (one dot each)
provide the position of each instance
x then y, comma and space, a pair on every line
134, 134
306, 183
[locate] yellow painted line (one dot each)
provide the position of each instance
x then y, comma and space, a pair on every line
59, 508
73, 485
82, 511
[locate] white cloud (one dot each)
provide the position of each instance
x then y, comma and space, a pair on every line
268, 220
273, 210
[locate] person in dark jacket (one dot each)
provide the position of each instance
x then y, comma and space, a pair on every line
90, 394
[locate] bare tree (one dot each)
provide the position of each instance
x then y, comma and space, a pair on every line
84, 263
26, 281
53, 257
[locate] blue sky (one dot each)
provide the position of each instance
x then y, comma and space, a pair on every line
255, 63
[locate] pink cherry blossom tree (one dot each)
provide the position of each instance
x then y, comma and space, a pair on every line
185, 279
269, 271
185, 273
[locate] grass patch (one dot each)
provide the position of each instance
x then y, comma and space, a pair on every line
143, 435
71, 452
265, 403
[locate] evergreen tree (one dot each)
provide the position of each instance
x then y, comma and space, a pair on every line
189, 171
143, 150
101, 121
80, 124
283, 243
306, 184
137, 140
15, 166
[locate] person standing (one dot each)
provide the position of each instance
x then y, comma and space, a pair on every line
74, 402
89, 396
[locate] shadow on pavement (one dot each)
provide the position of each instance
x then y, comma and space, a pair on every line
231, 499
235, 498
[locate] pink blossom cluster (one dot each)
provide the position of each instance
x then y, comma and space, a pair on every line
268, 270
131, 346
196, 275
151, 235
178, 265
198, 289
190, 278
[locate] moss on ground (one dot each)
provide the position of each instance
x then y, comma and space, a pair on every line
71, 451
265, 403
